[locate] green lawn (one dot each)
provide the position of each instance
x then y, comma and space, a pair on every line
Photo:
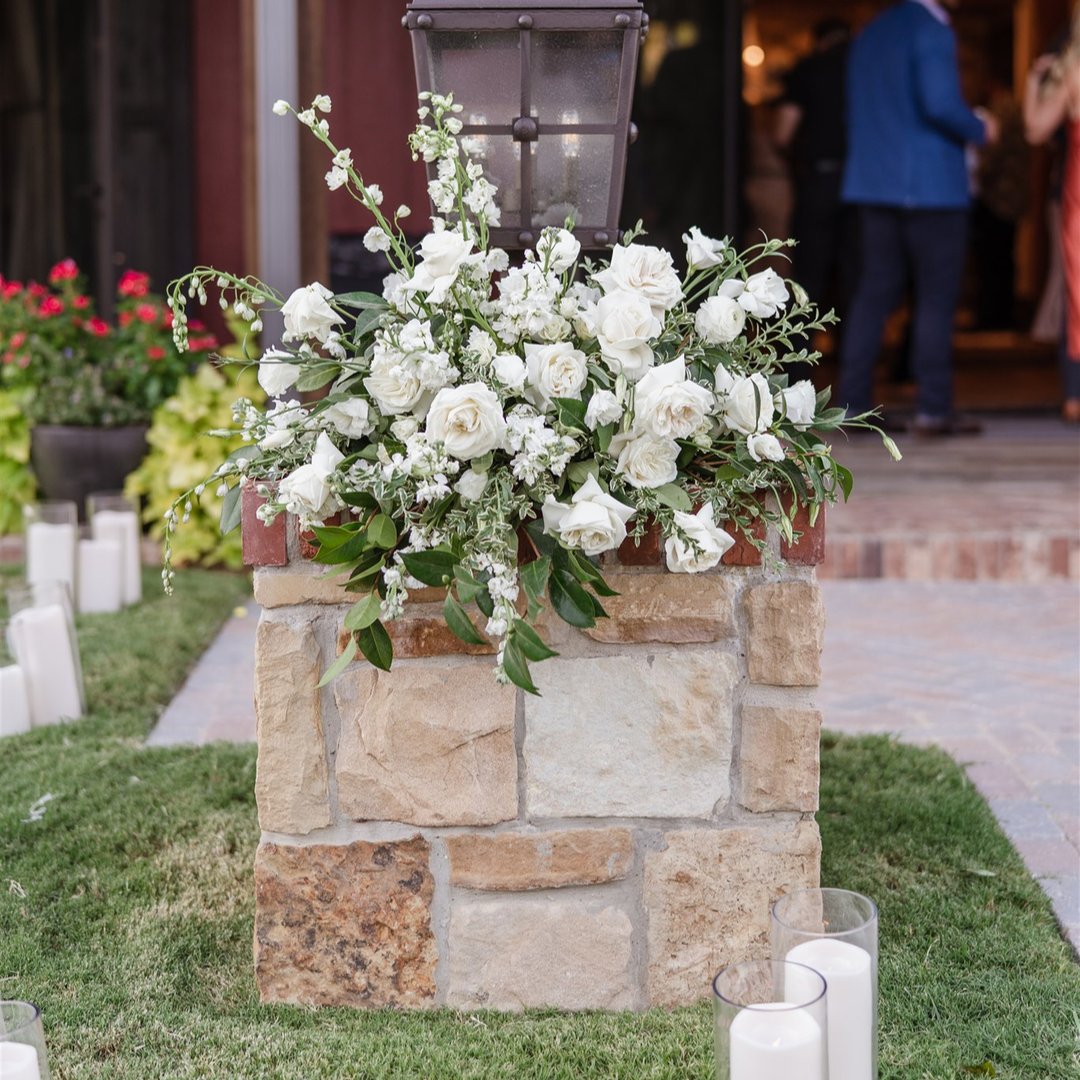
126, 912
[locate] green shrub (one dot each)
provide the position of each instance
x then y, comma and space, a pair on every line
16, 480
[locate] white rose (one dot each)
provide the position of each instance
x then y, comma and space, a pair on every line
593, 521
351, 417
719, 320
798, 403
764, 294
765, 447
276, 372
557, 370
468, 420
394, 384
558, 248
712, 542
702, 251
644, 460
643, 270
307, 313
471, 485
306, 491
510, 370
625, 324
724, 380
749, 405
667, 404
604, 408
442, 253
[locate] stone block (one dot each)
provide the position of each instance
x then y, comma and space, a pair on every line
299, 583
778, 758
534, 952
345, 924
670, 608
426, 744
261, 545
633, 736
785, 632
291, 780
514, 862
708, 894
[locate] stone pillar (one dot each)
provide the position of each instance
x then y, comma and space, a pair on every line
433, 838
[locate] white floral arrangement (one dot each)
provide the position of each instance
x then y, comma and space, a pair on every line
492, 429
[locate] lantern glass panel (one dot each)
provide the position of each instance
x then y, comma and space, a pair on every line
578, 72
501, 158
482, 69
572, 179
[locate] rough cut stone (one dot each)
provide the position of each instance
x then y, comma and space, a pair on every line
291, 781
633, 736
786, 626
778, 758
426, 744
670, 608
708, 897
539, 860
299, 583
345, 924
531, 952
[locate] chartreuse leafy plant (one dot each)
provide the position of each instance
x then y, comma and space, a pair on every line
491, 430
16, 479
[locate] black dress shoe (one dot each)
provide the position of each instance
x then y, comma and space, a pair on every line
953, 424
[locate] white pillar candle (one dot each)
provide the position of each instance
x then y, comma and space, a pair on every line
50, 553
18, 1062
850, 1000
101, 575
122, 526
45, 651
773, 1041
14, 706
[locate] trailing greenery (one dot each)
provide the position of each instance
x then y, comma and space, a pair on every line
126, 911
16, 478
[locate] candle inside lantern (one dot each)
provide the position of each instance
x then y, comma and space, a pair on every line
45, 650
773, 1041
14, 706
101, 575
122, 526
50, 552
19, 1062
850, 998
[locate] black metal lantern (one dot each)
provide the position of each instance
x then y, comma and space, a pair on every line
546, 90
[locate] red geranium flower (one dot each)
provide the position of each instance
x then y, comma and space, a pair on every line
18, 338
155, 352
81, 302
146, 313
133, 283
66, 270
11, 289
50, 305
97, 327
125, 318
36, 290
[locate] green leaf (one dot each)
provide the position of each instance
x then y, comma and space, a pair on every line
604, 434
367, 566
844, 479
467, 586
543, 543
570, 600
580, 471
365, 321
230, 510
584, 570
531, 644
363, 613
339, 665
381, 532
375, 644
460, 623
333, 536
485, 603
571, 413
672, 495
517, 668
316, 376
362, 499
360, 300
431, 567
352, 549
534, 577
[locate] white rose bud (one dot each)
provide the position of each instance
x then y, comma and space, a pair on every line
443, 254
510, 370
468, 420
281, 107
720, 320
395, 386
604, 408
748, 407
644, 460
765, 447
307, 313
351, 417
555, 371
712, 543
702, 251
764, 294
798, 403
306, 491
668, 404
593, 521
558, 248
645, 271
625, 324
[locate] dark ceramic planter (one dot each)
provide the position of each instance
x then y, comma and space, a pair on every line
72, 462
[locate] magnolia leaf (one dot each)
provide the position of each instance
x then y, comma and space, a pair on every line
460, 624
363, 500
375, 644
534, 577
604, 434
517, 668
531, 644
381, 532
230, 510
352, 549
339, 665
672, 495
363, 613
570, 600
467, 586
431, 567
584, 570
580, 471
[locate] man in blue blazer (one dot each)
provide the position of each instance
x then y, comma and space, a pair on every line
907, 128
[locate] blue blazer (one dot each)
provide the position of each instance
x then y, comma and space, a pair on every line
907, 121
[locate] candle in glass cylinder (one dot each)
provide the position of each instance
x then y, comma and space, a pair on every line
14, 707
50, 552
43, 646
18, 1062
114, 519
850, 999
101, 574
773, 1041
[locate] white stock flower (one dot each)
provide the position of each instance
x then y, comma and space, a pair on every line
471, 485
351, 417
557, 370
395, 290
277, 372
322, 103
764, 294
558, 248
468, 420
281, 417
307, 117
764, 447
510, 370
625, 324
668, 404
376, 240
798, 403
592, 521
375, 194
720, 320
336, 177
748, 406
643, 270
281, 107
712, 542
702, 251
604, 408
343, 158
645, 460
306, 491
443, 253
307, 313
